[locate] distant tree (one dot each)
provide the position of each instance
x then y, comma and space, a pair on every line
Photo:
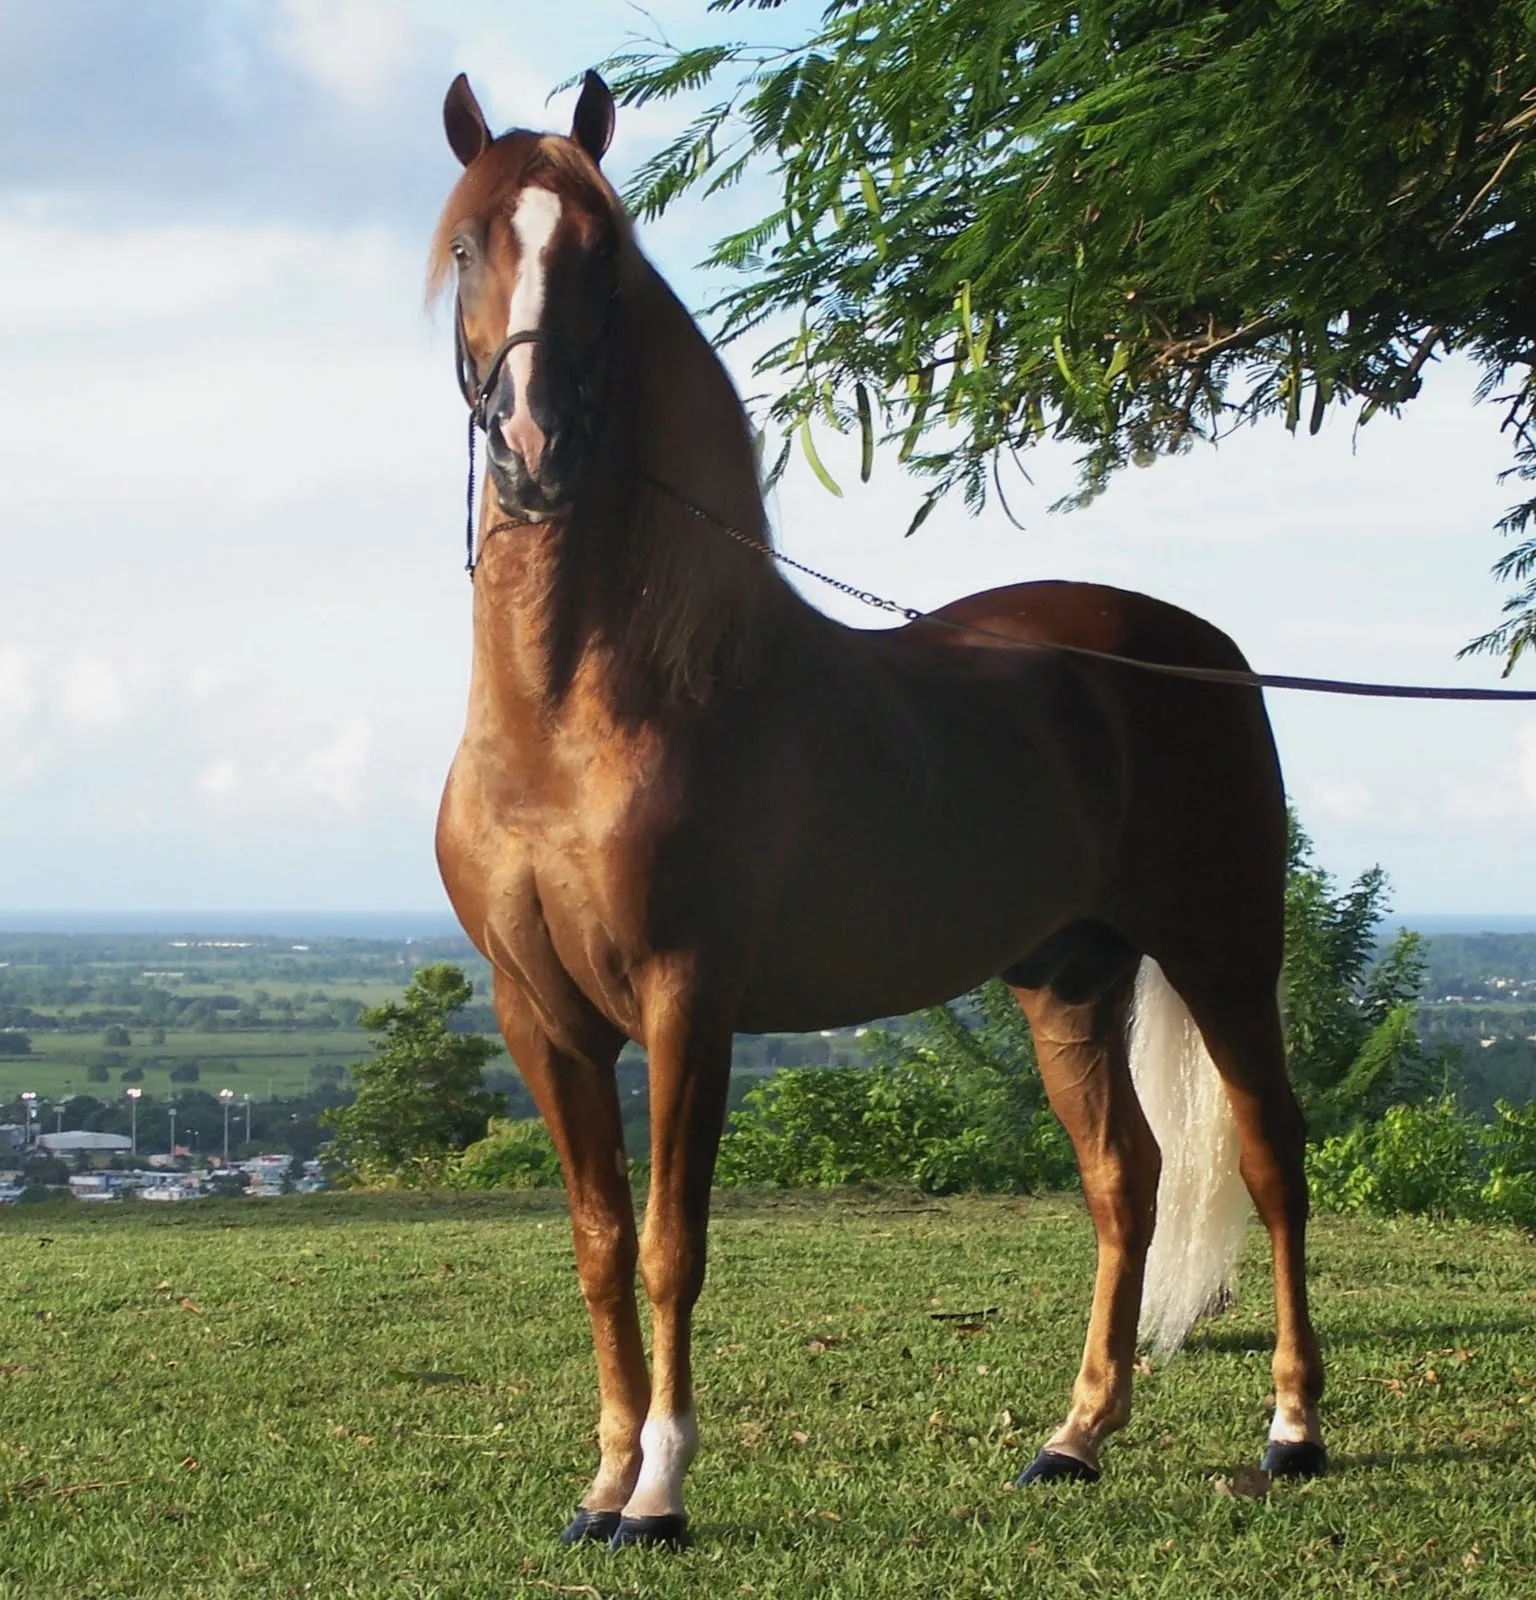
185, 1072
131, 1075
98, 1072
117, 1036
1351, 1019
422, 1097
13, 1042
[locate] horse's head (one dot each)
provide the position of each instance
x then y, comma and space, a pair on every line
534, 233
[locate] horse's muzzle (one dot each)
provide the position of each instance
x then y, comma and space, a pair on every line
530, 478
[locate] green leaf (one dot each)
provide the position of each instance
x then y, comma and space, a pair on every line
808, 444
1063, 365
866, 432
870, 192
920, 392
924, 511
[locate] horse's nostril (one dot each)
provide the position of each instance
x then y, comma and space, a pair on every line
525, 436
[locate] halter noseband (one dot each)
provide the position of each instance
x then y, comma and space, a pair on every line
477, 393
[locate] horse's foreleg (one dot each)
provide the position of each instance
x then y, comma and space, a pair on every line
1243, 1033
690, 1063
1085, 1068
578, 1098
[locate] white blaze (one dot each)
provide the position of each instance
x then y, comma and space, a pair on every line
534, 221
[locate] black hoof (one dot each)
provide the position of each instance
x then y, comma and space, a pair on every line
1054, 1466
669, 1532
586, 1525
1301, 1460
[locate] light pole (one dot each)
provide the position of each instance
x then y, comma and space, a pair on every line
58, 1112
29, 1102
247, 1119
133, 1105
226, 1095
173, 1135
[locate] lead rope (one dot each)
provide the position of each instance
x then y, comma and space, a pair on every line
1245, 680
469, 504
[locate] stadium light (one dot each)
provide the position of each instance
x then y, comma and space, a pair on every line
133, 1102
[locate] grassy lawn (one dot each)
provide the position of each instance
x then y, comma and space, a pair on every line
381, 1396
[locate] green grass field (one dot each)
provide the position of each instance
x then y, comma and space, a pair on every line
259, 1063
388, 1396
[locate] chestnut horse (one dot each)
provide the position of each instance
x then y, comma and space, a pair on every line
687, 803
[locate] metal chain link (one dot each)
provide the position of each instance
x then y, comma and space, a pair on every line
1168, 669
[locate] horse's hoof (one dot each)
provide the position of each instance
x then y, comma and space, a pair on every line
669, 1532
589, 1525
1055, 1466
1301, 1459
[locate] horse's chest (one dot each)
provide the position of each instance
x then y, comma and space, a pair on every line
541, 884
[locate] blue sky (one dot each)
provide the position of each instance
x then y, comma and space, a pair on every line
233, 657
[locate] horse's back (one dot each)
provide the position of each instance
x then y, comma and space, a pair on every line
1093, 616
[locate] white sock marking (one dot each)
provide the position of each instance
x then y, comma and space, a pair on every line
667, 1446
1295, 1425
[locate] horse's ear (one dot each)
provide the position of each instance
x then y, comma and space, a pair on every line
464, 121
592, 126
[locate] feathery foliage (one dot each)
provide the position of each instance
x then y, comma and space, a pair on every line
1351, 1028
1125, 223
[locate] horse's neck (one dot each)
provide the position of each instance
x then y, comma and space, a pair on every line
691, 431
635, 598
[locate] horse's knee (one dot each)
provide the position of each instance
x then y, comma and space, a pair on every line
672, 1269
606, 1256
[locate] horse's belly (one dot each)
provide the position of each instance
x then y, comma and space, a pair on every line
879, 943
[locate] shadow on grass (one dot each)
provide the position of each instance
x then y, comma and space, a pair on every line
1240, 1341
1345, 1466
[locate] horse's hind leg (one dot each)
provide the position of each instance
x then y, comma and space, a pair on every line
1080, 1041
1240, 1023
578, 1098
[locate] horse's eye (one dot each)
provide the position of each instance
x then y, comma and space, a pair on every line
460, 254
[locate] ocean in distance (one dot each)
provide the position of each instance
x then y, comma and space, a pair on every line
389, 925
441, 924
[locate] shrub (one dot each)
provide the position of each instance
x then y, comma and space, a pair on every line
131, 1075
512, 1155
98, 1072
960, 1106
1433, 1159
187, 1072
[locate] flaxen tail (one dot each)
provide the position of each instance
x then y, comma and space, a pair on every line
1202, 1204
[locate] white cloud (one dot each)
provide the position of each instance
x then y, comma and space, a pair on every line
333, 774
92, 692
17, 695
21, 752
358, 48
219, 780
1342, 799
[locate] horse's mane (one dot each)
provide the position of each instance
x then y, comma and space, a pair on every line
687, 608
